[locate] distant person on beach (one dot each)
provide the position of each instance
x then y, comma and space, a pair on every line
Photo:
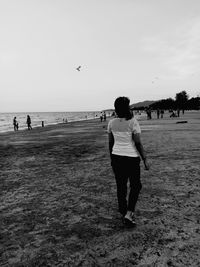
173, 114
28, 122
104, 116
162, 113
15, 124
158, 113
148, 111
126, 148
101, 117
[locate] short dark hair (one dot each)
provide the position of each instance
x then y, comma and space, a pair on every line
122, 107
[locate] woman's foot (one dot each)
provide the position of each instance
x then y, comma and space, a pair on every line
129, 219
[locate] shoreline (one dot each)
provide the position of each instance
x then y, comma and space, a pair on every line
143, 121
139, 117
48, 125
48, 118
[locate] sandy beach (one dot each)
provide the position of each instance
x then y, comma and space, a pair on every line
58, 201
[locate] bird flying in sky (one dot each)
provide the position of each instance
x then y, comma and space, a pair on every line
155, 79
78, 69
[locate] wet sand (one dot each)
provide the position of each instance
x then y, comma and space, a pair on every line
58, 197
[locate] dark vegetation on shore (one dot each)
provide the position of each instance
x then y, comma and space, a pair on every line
181, 102
58, 198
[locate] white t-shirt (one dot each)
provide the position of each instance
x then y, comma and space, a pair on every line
122, 131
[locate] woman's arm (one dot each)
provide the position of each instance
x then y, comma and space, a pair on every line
111, 142
137, 140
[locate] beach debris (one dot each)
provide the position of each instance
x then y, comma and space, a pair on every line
181, 121
78, 68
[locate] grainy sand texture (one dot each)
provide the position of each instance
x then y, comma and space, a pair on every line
58, 201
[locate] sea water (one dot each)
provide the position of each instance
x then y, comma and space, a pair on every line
49, 118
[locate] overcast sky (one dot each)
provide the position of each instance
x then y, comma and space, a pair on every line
143, 49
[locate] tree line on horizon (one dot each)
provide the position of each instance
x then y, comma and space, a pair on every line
181, 102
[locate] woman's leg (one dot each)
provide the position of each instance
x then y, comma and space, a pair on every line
121, 193
135, 183
121, 181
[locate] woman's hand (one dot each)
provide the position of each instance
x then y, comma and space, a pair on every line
146, 164
139, 146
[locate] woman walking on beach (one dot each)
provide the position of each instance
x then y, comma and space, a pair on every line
28, 121
125, 151
15, 124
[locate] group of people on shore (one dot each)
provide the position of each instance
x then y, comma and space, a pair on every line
16, 123
160, 113
176, 113
103, 116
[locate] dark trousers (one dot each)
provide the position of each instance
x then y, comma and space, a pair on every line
127, 168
